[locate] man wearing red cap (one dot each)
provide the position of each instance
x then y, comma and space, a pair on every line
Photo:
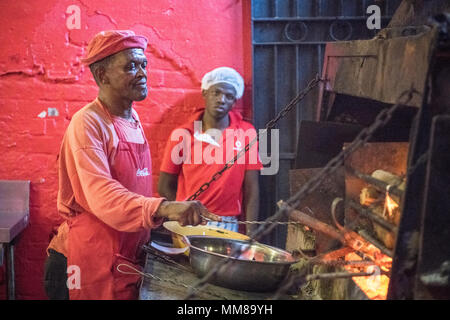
105, 181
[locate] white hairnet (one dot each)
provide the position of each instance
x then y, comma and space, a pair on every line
224, 75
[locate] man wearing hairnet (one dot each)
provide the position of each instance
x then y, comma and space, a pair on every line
200, 148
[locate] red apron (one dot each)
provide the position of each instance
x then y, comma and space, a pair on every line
97, 248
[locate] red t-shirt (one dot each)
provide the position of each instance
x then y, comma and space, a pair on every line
195, 157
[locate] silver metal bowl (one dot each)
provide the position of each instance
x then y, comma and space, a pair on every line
260, 268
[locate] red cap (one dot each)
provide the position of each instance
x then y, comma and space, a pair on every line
107, 43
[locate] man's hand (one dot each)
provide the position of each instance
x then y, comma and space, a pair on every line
185, 212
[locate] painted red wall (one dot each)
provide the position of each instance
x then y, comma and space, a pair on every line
40, 69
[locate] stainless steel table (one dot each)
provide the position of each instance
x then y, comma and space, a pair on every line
14, 217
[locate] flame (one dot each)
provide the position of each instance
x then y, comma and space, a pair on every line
390, 205
374, 286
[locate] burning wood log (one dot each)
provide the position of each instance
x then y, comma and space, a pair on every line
391, 216
354, 263
382, 246
337, 275
392, 181
374, 214
389, 178
383, 205
311, 222
369, 196
346, 237
380, 185
386, 237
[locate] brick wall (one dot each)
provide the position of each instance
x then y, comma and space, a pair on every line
40, 73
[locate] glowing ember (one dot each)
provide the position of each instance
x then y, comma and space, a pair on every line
374, 286
390, 205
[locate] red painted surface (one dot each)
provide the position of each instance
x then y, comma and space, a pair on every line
40, 69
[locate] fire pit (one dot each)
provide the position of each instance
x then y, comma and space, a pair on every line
377, 209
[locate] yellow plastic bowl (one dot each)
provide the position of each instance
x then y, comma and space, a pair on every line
178, 232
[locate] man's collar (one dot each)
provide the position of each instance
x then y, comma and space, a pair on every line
235, 119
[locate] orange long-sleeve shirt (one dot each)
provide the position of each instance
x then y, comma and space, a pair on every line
85, 182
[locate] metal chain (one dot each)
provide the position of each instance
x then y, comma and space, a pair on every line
264, 222
311, 85
383, 117
420, 160
271, 221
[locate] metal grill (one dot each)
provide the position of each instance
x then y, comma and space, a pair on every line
289, 38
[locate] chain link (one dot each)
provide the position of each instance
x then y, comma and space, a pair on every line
311, 85
382, 119
259, 222
285, 206
420, 160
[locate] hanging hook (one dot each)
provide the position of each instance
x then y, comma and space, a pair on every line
336, 201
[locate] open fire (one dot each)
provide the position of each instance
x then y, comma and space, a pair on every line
377, 215
374, 286
364, 218
390, 206
382, 212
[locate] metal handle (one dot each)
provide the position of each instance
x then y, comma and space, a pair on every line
168, 250
186, 241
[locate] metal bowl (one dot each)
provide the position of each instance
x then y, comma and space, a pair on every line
260, 268
178, 233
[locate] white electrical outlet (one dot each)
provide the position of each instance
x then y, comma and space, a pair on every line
52, 112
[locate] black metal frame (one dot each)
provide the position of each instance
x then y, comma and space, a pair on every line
289, 38
424, 234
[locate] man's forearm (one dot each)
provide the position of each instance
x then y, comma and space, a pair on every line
167, 186
185, 212
251, 198
252, 208
168, 193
